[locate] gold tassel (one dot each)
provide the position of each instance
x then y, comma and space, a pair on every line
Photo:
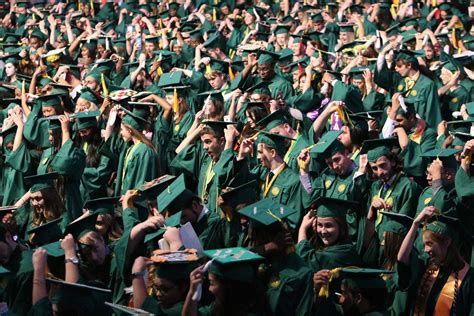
324, 291
104, 86
434, 3
231, 73
23, 88
175, 101
79, 6
214, 15
454, 38
208, 69
161, 24
159, 72
92, 5
393, 11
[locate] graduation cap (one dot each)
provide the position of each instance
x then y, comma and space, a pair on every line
317, 17
346, 27
266, 212
46, 233
444, 6
238, 264
9, 133
470, 109
286, 56
126, 310
266, 57
42, 181
101, 206
397, 223
175, 195
242, 194
461, 138
364, 278
368, 115
172, 221
275, 141
134, 121
259, 88
443, 225
329, 207
214, 95
38, 34
446, 155
393, 30
463, 126
82, 225
87, 119
218, 126
171, 80
376, 148
409, 55
214, 41
49, 100
352, 47
282, 29
357, 72
274, 119
328, 145
153, 188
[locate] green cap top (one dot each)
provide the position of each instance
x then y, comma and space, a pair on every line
105, 205
267, 57
42, 181
274, 119
286, 56
87, 119
175, 270
134, 121
282, 29
9, 133
236, 264
175, 195
154, 187
242, 194
275, 141
49, 100
376, 148
409, 55
397, 223
444, 225
329, 207
170, 79
46, 233
215, 95
266, 212
460, 125
470, 109
365, 278
214, 41
218, 126
82, 225
259, 88
328, 145
54, 249
40, 35
172, 221
89, 95
446, 155
346, 27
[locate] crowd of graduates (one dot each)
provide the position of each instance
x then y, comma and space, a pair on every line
238, 157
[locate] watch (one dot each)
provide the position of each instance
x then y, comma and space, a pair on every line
74, 260
138, 274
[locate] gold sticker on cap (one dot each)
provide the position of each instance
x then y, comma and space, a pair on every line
341, 187
275, 191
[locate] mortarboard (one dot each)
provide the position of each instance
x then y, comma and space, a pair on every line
408, 55
329, 207
133, 120
446, 155
364, 278
9, 133
328, 145
105, 205
282, 29
274, 119
153, 188
397, 223
218, 126
87, 119
172, 221
42, 181
82, 225
376, 148
49, 100
266, 212
46, 233
443, 225
175, 195
242, 194
238, 264
266, 57
275, 141
213, 95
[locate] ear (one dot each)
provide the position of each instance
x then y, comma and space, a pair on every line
357, 298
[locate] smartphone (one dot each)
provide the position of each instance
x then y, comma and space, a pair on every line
138, 40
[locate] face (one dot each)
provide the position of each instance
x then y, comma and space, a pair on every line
216, 81
248, 18
167, 292
85, 52
446, 75
318, 26
212, 145
48, 111
82, 105
404, 122
346, 299
100, 49
402, 68
265, 155
251, 119
328, 230
51, 137
10, 69
383, 168
91, 83
210, 108
169, 98
281, 39
149, 48
101, 226
214, 284
98, 252
283, 129
35, 42
339, 163
37, 201
190, 214
437, 251
265, 71
359, 83
296, 48
126, 133
429, 52
345, 37
345, 137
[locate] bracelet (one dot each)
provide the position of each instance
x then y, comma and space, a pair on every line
138, 274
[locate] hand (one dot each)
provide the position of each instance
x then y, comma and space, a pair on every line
39, 259
308, 221
425, 214
442, 127
454, 79
152, 224
64, 119
333, 106
140, 264
368, 79
196, 277
69, 246
436, 169
199, 116
172, 236
320, 279
468, 148
363, 161
127, 199
252, 59
230, 133
246, 148
304, 159
378, 204
17, 119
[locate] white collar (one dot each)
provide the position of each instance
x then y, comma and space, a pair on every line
274, 171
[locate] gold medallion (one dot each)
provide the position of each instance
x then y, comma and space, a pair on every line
341, 188
414, 93
275, 191
454, 100
427, 200
274, 282
400, 87
176, 128
327, 184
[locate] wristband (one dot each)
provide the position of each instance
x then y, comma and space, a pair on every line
138, 274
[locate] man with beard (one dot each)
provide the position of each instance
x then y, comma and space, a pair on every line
207, 162
391, 191
98, 167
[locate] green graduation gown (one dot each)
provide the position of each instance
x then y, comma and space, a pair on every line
94, 179
415, 165
152, 305
17, 164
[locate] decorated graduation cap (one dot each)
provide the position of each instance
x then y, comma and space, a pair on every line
329, 207
172, 221
267, 57
397, 223
274, 119
376, 148
87, 119
237, 264
42, 181
242, 194
175, 196
272, 140
176, 271
443, 225
266, 212
364, 278
153, 188
101, 206
82, 225
46, 233
328, 145
446, 155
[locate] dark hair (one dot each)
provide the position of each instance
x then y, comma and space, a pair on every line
358, 135
92, 154
53, 207
394, 158
209, 131
392, 244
